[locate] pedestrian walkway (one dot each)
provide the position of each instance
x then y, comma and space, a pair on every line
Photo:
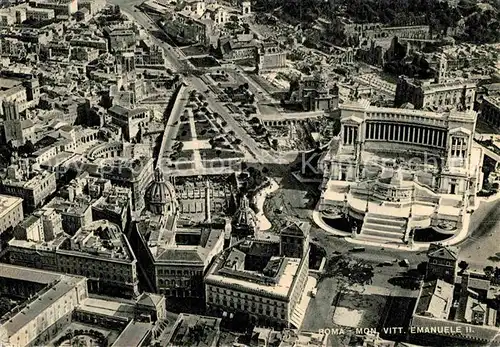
196, 153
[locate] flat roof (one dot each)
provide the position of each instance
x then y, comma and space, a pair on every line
39, 304
107, 308
27, 274
494, 100
184, 333
133, 334
7, 203
32, 182
8, 83
279, 289
367, 107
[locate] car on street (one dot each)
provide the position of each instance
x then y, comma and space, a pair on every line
314, 291
357, 249
404, 263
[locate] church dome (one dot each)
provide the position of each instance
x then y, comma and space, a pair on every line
245, 219
160, 195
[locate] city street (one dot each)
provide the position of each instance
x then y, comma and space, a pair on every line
173, 123
480, 249
261, 155
129, 8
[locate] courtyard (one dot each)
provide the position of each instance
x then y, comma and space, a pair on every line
81, 334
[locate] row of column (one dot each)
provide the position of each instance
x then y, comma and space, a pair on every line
350, 135
405, 133
458, 147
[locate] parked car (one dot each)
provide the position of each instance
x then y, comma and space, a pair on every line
358, 249
314, 291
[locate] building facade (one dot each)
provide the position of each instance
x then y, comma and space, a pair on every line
270, 295
312, 94
442, 263
270, 56
130, 120
490, 110
426, 95
11, 212
34, 188
174, 255
45, 311
395, 164
98, 251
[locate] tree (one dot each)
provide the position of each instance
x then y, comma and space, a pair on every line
5, 305
496, 275
488, 270
28, 148
463, 265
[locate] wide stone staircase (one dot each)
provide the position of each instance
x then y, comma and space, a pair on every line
297, 317
383, 228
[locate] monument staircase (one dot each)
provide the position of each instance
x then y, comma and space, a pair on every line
383, 228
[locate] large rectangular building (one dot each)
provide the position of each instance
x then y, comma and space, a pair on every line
60, 7
409, 168
427, 95
99, 252
262, 280
490, 110
53, 304
33, 188
11, 212
47, 309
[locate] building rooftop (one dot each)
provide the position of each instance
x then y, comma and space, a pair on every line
8, 83
45, 245
115, 203
292, 338
7, 203
162, 243
134, 334
119, 167
27, 274
435, 299
32, 181
107, 308
41, 302
365, 106
76, 207
443, 252
101, 239
279, 285
494, 100
194, 330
